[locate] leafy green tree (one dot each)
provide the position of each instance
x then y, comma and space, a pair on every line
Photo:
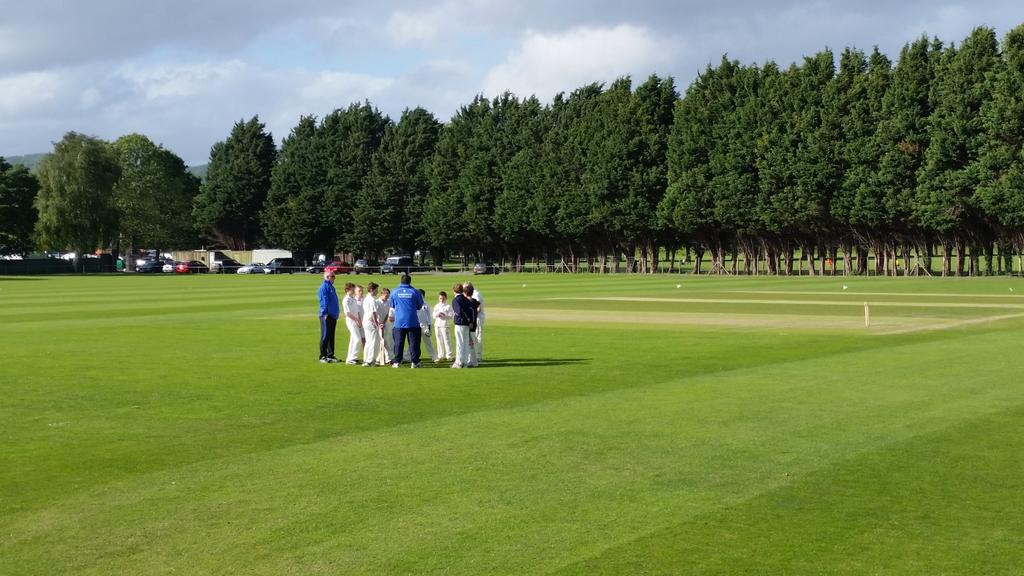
945, 198
687, 205
653, 106
153, 196
75, 202
294, 214
817, 169
577, 183
346, 141
610, 138
389, 211
237, 182
1000, 192
18, 189
734, 180
774, 159
442, 215
464, 179
858, 204
520, 179
902, 139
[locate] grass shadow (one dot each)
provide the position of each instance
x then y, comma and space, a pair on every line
529, 362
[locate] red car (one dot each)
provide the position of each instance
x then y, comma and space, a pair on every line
191, 267
339, 267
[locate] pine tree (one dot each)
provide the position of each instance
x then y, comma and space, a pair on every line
237, 182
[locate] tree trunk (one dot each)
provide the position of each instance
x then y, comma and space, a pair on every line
961, 261
811, 263
947, 254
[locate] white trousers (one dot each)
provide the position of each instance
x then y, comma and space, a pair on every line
389, 341
444, 343
373, 343
355, 340
462, 352
428, 343
478, 341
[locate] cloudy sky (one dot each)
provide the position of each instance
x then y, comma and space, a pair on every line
183, 71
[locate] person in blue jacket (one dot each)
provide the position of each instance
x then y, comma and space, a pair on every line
406, 302
329, 312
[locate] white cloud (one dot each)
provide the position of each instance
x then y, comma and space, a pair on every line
546, 64
181, 81
414, 27
331, 86
23, 93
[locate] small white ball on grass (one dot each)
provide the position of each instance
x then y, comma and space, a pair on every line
524, 285
845, 286
679, 285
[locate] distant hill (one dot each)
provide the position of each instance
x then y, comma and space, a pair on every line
30, 161
199, 171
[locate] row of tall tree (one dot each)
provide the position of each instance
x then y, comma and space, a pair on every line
808, 165
895, 159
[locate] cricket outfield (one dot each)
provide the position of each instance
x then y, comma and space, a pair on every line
619, 425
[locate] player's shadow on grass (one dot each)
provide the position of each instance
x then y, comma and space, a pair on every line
528, 362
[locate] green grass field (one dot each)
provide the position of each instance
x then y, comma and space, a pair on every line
618, 425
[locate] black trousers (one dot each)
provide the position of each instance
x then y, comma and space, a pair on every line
327, 327
414, 335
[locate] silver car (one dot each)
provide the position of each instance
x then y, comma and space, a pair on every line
254, 268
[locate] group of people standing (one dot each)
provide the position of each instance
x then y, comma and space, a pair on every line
381, 322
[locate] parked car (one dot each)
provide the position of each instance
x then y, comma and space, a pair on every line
397, 265
226, 264
153, 266
280, 266
364, 266
485, 268
254, 268
338, 266
191, 267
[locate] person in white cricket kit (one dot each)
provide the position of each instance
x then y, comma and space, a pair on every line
351, 309
465, 318
424, 317
442, 321
478, 334
389, 321
371, 326
383, 311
